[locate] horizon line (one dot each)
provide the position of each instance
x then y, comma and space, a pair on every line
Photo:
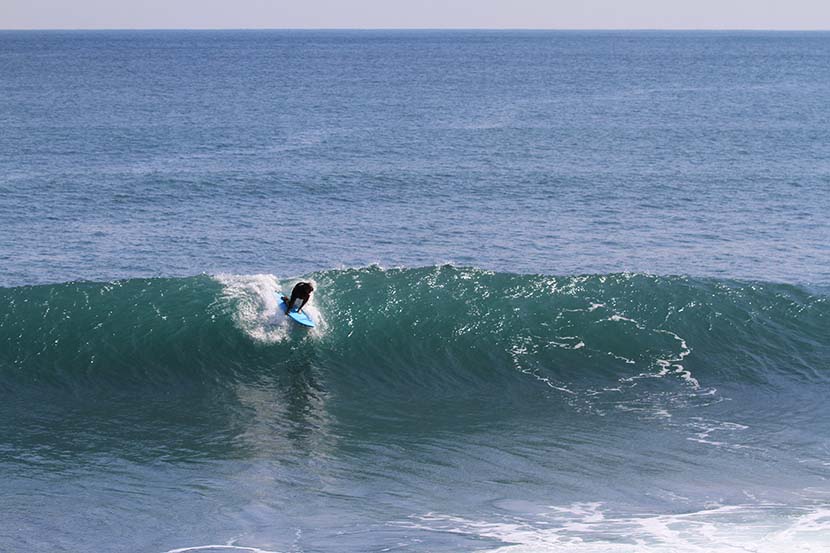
496, 29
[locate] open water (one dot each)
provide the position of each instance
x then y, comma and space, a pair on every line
572, 290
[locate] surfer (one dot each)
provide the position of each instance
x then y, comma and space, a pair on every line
301, 291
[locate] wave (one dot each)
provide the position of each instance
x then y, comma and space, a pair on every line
432, 329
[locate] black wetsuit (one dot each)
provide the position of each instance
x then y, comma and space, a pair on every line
301, 291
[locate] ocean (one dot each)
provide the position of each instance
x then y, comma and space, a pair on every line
571, 291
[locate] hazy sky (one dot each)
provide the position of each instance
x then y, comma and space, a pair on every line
537, 14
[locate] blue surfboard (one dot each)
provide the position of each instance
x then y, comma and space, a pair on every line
299, 318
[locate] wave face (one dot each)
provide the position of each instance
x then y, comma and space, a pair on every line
589, 411
438, 330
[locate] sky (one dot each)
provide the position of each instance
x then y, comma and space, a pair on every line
372, 14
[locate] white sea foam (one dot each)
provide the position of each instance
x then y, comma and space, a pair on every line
219, 549
675, 364
617, 318
704, 428
523, 348
254, 301
587, 528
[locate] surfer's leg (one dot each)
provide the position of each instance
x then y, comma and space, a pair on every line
291, 302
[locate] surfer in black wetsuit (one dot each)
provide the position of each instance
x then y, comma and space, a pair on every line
301, 291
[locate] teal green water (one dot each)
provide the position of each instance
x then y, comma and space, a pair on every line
486, 326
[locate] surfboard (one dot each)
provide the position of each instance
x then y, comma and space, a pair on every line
299, 318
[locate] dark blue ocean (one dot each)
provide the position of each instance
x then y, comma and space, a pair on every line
572, 292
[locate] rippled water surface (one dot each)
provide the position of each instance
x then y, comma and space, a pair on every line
572, 292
